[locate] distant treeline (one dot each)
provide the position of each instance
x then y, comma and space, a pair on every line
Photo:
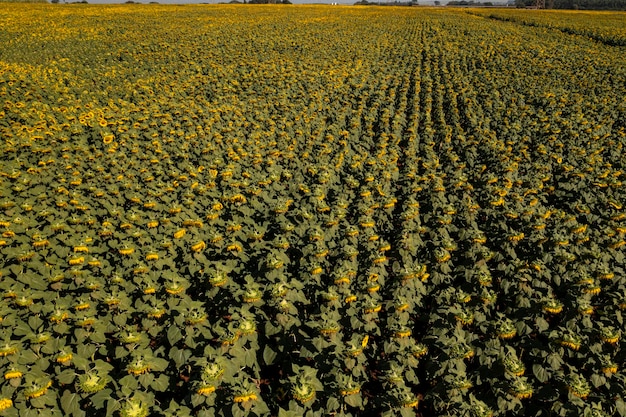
578, 4
267, 2
469, 3
259, 2
385, 3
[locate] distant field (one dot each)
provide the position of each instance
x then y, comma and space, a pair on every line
311, 211
602, 26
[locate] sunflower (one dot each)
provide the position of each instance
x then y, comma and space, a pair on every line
138, 367
9, 349
205, 389
578, 386
303, 392
5, 403
37, 389
520, 388
134, 408
245, 398
92, 382
198, 247
13, 374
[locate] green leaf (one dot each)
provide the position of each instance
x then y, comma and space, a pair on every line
81, 334
112, 406
284, 413
98, 336
180, 356
34, 322
598, 380
121, 352
33, 412
269, 355
146, 379
39, 402
27, 357
86, 350
120, 319
542, 325
332, 404
354, 400
237, 411
70, 402
555, 361
620, 406
197, 400
174, 335
81, 362
407, 412
270, 329
250, 358
66, 377
61, 328
260, 408
540, 373
161, 384
103, 366
100, 398
319, 343
159, 364
128, 384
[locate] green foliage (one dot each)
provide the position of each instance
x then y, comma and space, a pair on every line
287, 211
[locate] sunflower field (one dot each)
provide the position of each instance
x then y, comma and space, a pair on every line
226, 210
601, 26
